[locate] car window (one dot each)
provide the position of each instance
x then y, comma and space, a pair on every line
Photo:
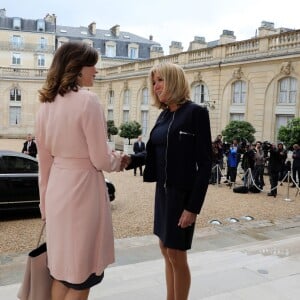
2, 168
15, 164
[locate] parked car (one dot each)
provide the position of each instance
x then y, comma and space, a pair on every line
19, 181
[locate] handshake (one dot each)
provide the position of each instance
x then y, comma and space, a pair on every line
125, 161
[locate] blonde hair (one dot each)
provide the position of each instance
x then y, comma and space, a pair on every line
175, 84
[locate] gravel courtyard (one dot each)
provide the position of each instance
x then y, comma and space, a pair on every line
132, 210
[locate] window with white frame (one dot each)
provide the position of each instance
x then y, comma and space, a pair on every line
145, 96
41, 60
237, 117
43, 43
282, 120
111, 96
16, 23
200, 93
125, 115
16, 58
133, 51
40, 25
16, 41
239, 92
110, 114
287, 91
126, 97
110, 49
14, 115
15, 95
144, 121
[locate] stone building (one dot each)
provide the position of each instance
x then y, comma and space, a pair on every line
26, 51
256, 80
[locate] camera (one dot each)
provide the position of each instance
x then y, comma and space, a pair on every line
266, 147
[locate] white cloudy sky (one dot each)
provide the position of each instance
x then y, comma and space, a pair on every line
166, 20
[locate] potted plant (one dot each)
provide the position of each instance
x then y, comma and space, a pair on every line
130, 130
111, 130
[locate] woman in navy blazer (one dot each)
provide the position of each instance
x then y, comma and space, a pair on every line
178, 159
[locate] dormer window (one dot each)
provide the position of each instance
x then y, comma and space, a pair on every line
40, 25
17, 23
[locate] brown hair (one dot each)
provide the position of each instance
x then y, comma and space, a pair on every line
67, 63
176, 84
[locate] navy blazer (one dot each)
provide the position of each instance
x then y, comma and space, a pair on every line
188, 154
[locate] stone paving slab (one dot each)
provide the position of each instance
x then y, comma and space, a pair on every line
237, 261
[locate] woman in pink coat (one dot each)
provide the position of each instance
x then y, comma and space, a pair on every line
73, 153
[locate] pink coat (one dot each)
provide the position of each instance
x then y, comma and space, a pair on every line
72, 151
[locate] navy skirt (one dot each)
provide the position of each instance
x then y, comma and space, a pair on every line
92, 280
169, 205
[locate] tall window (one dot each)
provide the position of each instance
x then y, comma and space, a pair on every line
43, 43
133, 53
14, 115
287, 91
145, 96
126, 98
41, 60
111, 96
110, 114
200, 93
282, 120
125, 115
237, 117
133, 50
17, 23
239, 92
15, 106
16, 41
144, 121
40, 25
110, 49
16, 58
15, 94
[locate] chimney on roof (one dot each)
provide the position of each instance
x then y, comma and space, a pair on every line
50, 18
197, 43
266, 28
175, 47
115, 30
151, 37
2, 12
92, 28
227, 37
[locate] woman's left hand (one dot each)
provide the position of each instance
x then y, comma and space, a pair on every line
187, 219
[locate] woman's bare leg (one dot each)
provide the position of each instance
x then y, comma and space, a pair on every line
169, 274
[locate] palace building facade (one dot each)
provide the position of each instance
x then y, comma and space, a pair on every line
256, 80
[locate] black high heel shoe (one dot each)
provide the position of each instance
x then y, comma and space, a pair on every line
272, 194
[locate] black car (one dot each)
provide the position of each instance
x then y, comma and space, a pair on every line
19, 182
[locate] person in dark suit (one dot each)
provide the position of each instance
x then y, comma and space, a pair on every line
139, 146
29, 147
178, 158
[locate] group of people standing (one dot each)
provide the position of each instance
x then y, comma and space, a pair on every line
255, 157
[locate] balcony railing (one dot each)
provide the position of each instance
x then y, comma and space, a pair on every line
15, 46
21, 72
286, 43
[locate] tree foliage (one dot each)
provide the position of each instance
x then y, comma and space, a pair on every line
239, 130
130, 130
290, 134
111, 129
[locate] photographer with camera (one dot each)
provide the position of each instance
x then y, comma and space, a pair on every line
259, 165
275, 162
296, 165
